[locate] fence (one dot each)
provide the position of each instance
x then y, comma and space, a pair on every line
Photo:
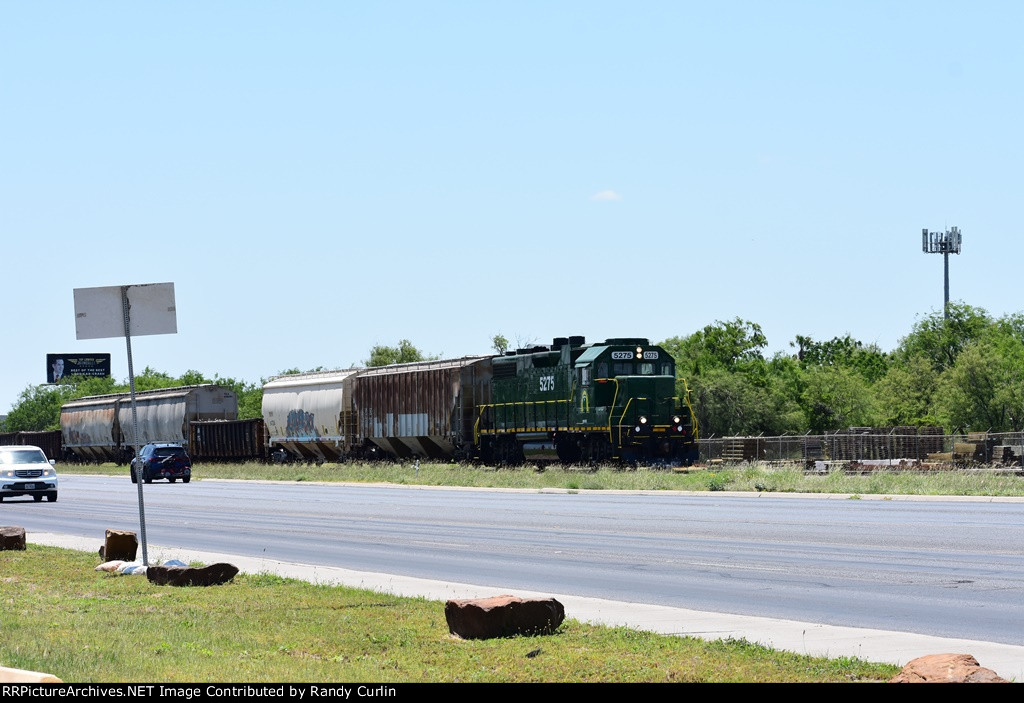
891, 445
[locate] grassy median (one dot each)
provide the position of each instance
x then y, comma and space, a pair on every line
63, 617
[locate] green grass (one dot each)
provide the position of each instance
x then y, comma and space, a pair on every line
63, 617
749, 478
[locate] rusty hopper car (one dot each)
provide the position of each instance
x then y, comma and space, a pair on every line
100, 428
310, 416
424, 409
89, 429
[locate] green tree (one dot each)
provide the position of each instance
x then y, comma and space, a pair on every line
732, 390
38, 408
151, 380
846, 352
984, 390
940, 340
734, 345
906, 394
404, 353
499, 343
835, 398
730, 404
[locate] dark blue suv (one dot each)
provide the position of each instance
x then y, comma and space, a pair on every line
162, 460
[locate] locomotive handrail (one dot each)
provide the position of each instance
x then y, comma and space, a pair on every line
523, 403
615, 397
689, 406
623, 415
620, 425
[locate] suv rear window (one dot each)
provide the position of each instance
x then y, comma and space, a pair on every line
169, 451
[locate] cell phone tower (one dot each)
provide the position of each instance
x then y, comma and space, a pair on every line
944, 243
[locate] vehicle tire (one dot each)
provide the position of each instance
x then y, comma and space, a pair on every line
171, 480
135, 479
37, 499
147, 479
52, 497
186, 479
1, 499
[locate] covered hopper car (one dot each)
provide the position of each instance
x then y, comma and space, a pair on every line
100, 428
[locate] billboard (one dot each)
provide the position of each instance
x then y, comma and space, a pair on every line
59, 366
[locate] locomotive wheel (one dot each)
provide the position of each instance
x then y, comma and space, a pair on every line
510, 452
569, 451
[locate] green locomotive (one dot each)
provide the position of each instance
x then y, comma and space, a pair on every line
579, 403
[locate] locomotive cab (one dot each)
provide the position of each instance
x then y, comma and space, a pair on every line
629, 386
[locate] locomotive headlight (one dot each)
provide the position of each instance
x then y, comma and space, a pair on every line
677, 419
643, 419
639, 352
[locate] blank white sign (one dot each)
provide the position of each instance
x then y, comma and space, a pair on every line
99, 313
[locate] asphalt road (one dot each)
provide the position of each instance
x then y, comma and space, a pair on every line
944, 567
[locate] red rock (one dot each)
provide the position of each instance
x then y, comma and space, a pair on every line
946, 668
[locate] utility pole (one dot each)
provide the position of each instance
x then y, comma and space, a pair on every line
944, 243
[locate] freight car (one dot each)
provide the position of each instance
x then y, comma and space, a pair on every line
310, 416
48, 440
100, 428
569, 402
227, 440
425, 409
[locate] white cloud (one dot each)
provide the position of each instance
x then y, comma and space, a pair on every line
606, 195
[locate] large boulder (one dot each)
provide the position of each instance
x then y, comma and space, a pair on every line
503, 616
12, 538
211, 575
946, 668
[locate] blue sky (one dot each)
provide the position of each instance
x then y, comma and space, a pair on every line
320, 177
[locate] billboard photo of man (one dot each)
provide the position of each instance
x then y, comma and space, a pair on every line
57, 370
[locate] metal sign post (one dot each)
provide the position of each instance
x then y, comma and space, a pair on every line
116, 311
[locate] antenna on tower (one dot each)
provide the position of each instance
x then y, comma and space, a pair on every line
944, 243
